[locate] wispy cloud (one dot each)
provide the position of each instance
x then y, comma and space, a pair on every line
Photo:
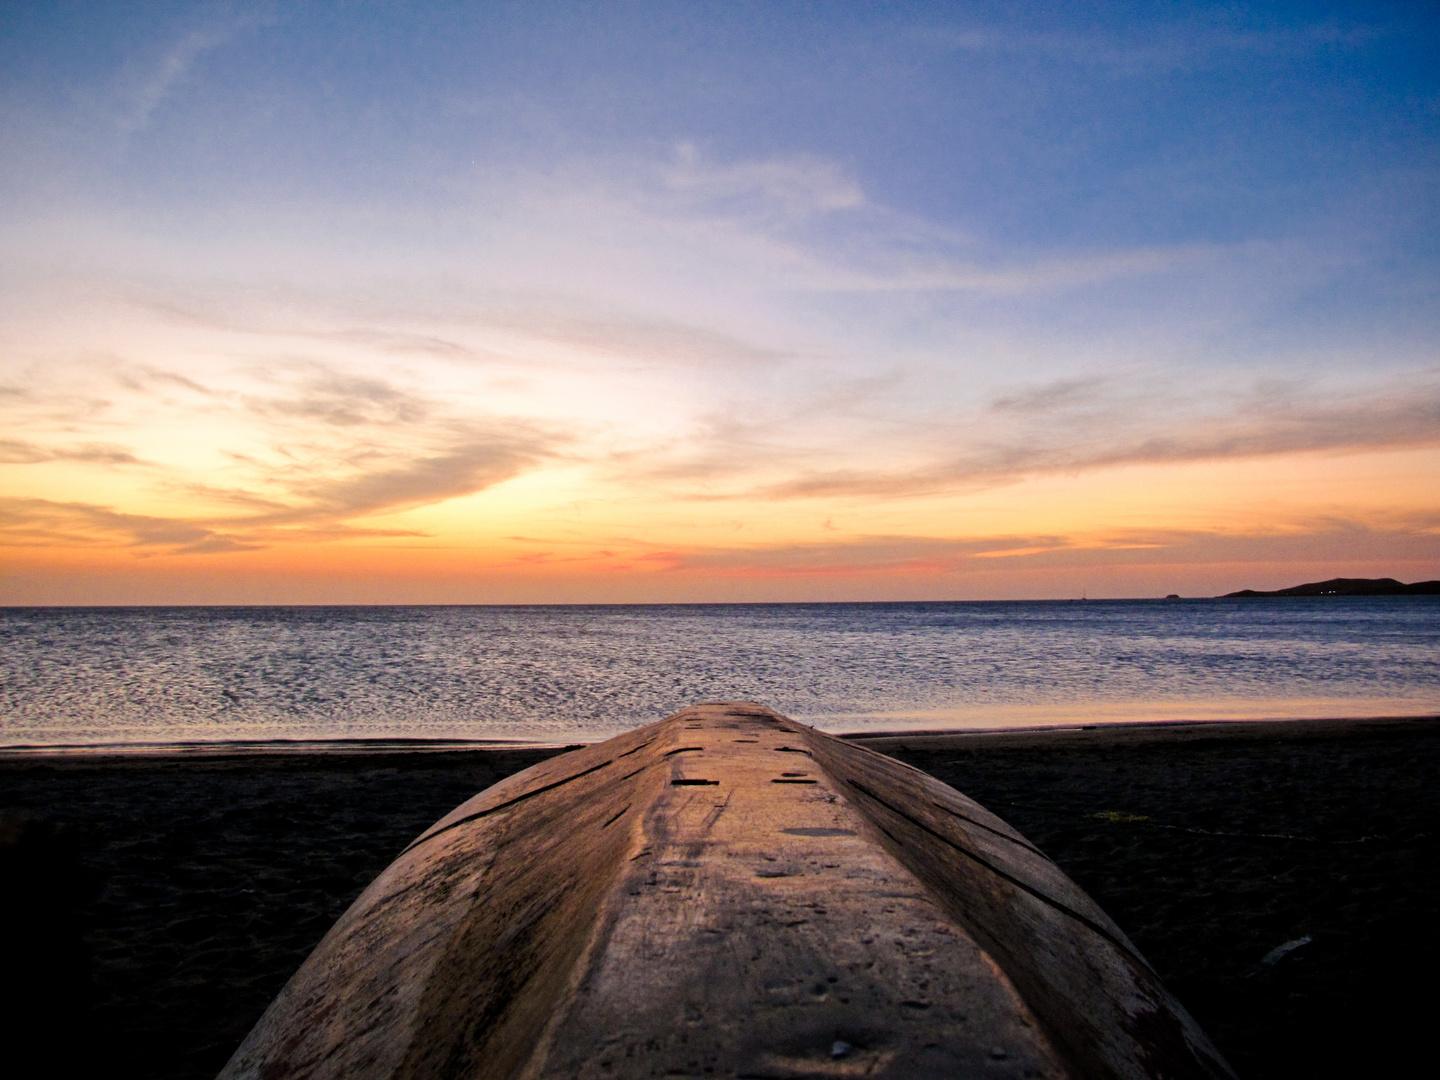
1339, 541
335, 398
305, 450
317, 509
860, 555
318, 415
1168, 46
42, 522
164, 76
418, 481
1078, 424
1064, 393
797, 185
908, 272
804, 224
19, 452
503, 328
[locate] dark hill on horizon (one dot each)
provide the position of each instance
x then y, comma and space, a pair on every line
1344, 586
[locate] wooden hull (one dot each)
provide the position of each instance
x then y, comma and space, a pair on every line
723, 893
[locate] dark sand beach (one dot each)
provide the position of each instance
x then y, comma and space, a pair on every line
155, 904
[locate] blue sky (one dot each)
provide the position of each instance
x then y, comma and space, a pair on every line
766, 255
1031, 124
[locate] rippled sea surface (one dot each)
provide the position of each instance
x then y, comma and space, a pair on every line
102, 676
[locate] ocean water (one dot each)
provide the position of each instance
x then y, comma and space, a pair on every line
91, 677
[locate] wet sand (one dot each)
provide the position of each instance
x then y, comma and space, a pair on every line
154, 905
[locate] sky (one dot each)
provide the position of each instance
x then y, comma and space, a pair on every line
698, 302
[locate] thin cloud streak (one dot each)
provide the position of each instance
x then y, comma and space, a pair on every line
863, 555
1166, 48
504, 328
165, 76
1105, 433
1318, 540
1043, 276
463, 470
19, 452
45, 523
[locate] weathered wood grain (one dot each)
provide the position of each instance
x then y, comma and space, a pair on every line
723, 893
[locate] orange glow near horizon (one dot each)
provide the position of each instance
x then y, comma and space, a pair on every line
1197, 528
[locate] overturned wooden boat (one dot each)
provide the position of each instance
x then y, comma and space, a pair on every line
724, 893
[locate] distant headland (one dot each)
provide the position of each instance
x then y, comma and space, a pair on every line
1351, 586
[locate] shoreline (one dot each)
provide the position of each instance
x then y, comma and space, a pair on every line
1116, 733
1138, 732
221, 748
